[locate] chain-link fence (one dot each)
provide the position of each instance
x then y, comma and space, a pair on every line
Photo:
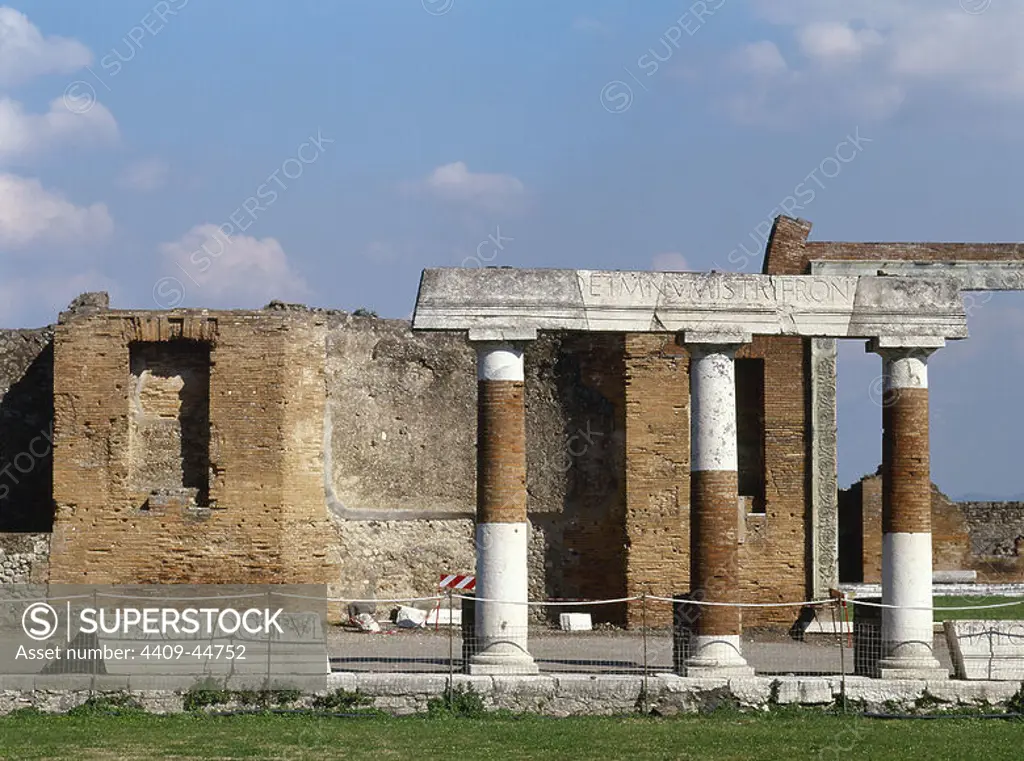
440, 634
831, 637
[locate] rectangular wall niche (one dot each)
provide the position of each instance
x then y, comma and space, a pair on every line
750, 432
169, 430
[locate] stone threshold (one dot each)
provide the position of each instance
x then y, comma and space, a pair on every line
584, 694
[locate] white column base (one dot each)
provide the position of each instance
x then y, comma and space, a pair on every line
716, 656
907, 633
495, 662
501, 627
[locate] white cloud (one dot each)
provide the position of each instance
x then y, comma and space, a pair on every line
864, 59
145, 175
831, 41
671, 261
25, 53
237, 271
760, 58
455, 183
30, 214
24, 135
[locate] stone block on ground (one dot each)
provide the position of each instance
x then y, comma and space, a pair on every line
990, 650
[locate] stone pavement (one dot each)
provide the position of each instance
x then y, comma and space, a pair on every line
596, 651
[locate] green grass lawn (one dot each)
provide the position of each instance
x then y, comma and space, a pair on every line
1009, 613
1012, 612
801, 735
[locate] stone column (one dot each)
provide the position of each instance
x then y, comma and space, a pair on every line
714, 648
502, 529
907, 635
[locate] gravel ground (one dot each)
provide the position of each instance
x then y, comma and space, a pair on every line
597, 651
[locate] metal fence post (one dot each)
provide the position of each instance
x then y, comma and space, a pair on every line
643, 634
451, 643
270, 649
94, 665
837, 627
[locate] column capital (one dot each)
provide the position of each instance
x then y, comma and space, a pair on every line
499, 361
904, 346
502, 335
709, 340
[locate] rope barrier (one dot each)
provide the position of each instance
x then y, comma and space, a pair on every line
866, 604
435, 598
804, 604
537, 603
239, 596
20, 600
547, 603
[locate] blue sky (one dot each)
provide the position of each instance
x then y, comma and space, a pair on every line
344, 146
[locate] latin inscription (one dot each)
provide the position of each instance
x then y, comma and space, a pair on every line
654, 286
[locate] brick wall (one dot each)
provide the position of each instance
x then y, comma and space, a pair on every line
773, 556
587, 462
657, 427
396, 413
871, 530
968, 536
265, 520
773, 548
290, 393
789, 252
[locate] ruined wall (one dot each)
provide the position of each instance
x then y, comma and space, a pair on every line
400, 463
401, 412
994, 527
871, 530
772, 553
951, 539
24, 558
657, 393
296, 444
968, 536
26, 427
789, 252
775, 550
124, 383
292, 444
581, 479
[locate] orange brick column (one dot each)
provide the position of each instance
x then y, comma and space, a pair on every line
502, 530
714, 648
907, 635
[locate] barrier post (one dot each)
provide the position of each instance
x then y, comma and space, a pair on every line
94, 662
839, 604
643, 634
468, 628
451, 642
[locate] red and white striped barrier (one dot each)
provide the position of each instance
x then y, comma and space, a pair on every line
457, 581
